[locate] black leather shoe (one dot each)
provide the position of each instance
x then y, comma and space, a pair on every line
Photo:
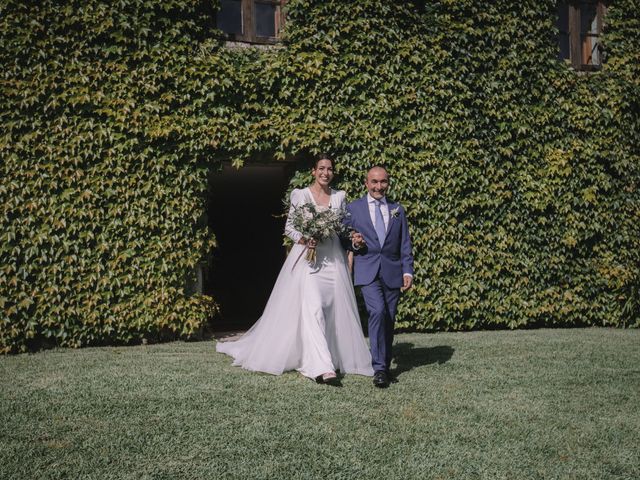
380, 380
333, 381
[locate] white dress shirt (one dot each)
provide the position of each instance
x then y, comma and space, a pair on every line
384, 208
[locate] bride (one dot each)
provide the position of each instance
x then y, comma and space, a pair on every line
310, 323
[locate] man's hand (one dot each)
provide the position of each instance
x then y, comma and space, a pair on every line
407, 281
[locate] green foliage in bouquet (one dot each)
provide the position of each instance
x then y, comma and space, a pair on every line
519, 175
317, 224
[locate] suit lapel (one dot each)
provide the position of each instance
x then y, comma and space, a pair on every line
391, 206
392, 220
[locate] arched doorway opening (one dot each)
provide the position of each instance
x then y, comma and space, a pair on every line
245, 211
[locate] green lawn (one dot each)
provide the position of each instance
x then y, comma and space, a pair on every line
547, 404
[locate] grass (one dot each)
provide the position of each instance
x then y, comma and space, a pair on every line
536, 404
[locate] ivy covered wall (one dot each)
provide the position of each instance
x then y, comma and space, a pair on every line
519, 175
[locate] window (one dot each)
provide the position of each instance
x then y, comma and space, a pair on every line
252, 21
580, 25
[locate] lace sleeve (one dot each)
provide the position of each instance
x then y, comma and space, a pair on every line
343, 200
289, 231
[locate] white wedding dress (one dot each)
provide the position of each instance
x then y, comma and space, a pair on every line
310, 322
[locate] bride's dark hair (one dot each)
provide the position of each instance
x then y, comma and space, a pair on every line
323, 156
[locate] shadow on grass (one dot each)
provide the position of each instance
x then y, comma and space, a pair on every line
408, 357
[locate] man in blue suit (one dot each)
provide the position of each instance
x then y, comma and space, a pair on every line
382, 264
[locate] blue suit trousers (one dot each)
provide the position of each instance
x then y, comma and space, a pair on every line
382, 305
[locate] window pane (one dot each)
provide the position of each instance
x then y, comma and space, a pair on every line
590, 50
564, 52
589, 39
563, 27
589, 18
563, 18
229, 18
265, 19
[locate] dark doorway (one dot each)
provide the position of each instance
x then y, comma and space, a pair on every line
245, 212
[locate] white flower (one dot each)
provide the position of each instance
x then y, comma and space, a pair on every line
395, 212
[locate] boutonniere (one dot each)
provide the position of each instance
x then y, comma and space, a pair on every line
395, 213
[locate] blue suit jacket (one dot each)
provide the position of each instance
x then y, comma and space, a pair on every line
392, 259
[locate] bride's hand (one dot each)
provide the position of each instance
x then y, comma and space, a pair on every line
309, 242
357, 240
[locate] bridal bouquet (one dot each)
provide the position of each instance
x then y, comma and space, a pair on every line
317, 224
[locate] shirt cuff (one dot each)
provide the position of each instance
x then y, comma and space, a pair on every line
407, 275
